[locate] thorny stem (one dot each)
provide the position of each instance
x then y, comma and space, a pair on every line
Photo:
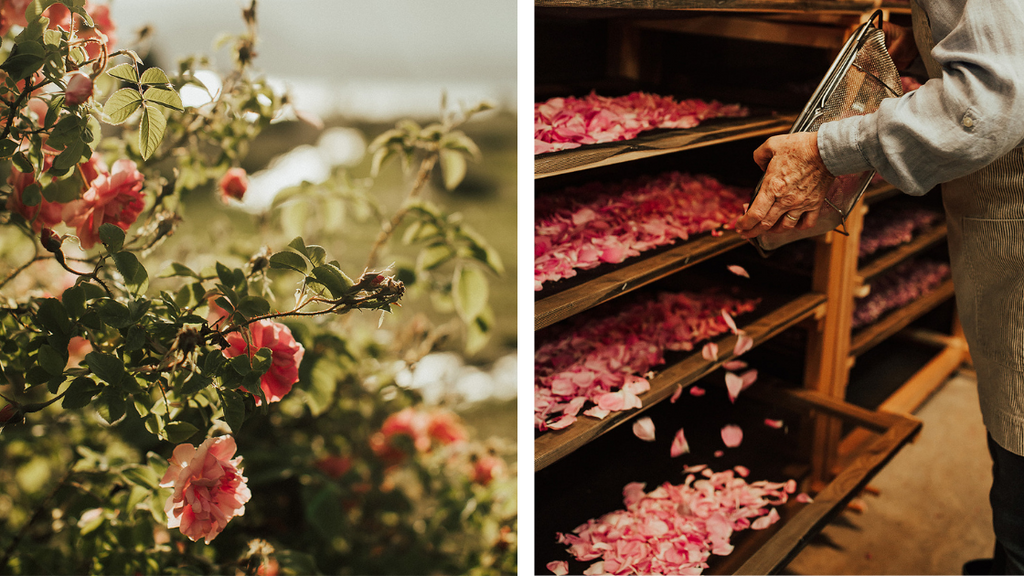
35, 516
388, 228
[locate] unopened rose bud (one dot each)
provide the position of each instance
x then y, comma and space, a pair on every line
10, 414
50, 240
234, 184
79, 89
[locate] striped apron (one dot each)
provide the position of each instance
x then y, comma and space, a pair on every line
985, 219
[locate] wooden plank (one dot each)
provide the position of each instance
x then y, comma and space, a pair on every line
901, 253
556, 444
843, 6
813, 36
796, 533
571, 301
656, 144
867, 337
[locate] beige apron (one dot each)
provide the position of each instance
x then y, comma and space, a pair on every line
985, 218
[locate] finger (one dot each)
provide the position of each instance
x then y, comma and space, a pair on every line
758, 208
763, 154
808, 219
789, 220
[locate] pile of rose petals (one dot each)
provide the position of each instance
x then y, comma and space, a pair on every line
600, 359
584, 227
893, 224
674, 529
899, 287
570, 122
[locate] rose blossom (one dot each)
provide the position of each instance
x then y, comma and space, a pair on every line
45, 213
233, 184
209, 489
486, 468
79, 88
286, 356
114, 198
422, 428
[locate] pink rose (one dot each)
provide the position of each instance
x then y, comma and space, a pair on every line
334, 466
209, 489
114, 198
12, 12
79, 89
487, 468
233, 184
445, 428
286, 356
421, 427
44, 214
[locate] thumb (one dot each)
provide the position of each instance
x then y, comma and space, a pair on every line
763, 155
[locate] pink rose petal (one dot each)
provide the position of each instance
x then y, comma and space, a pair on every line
676, 394
679, 445
695, 468
777, 424
748, 378
743, 471
734, 365
729, 321
558, 567
719, 453
743, 343
595, 412
710, 352
733, 384
732, 435
563, 422
696, 391
765, 521
644, 429
738, 270
804, 498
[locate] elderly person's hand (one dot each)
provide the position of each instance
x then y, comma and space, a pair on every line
794, 186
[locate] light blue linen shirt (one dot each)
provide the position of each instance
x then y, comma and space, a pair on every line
953, 125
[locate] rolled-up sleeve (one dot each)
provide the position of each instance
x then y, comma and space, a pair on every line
953, 125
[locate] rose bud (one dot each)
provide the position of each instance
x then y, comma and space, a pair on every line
233, 184
79, 89
10, 414
50, 240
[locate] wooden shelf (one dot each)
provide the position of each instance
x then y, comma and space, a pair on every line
556, 444
753, 29
842, 6
657, 143
579, 297
896, 320
900, 253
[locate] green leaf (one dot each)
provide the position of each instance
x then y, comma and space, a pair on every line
22, 163
164, 97
336, 282
316, 254
70, 156
64, 190
7, 148
126, 72
151, 131
136, 339
53, 317
51, 360
154, 75
106, 367
289, 260
66, 131
111, 405
299, 245
241, 364
180, 270
453, 167
80, 392
251, 306
112, 237
262, 360
234, 410
477, 331
122, 104
26, 57
74, 301
31, 195
142, 476
433, 256
113, 313
469, 289
135, 275
178, 432
458, 141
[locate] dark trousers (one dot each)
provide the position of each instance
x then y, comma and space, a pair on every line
1007, 499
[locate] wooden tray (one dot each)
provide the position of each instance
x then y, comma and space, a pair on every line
718, 5
894, 321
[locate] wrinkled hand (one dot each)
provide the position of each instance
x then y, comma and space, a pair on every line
795, 182
899, 41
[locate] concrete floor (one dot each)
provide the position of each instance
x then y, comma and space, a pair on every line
931, 513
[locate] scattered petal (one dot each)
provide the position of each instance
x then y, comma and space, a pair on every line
595, 412
771, 423
765, 521
804, 498
644, 429
743, 343
738, 270
719, 453
734, 365
729, 321
790, 486
743, 471
710, 352
748, 378
733, 384
732, 435
679, 444
562, 422
694, 468
676, 394
696, 391
558, 567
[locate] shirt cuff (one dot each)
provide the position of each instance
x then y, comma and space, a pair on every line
839, 148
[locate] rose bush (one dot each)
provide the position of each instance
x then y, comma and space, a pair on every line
144, 357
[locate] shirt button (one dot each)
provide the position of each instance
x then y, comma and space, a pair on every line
967, 121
